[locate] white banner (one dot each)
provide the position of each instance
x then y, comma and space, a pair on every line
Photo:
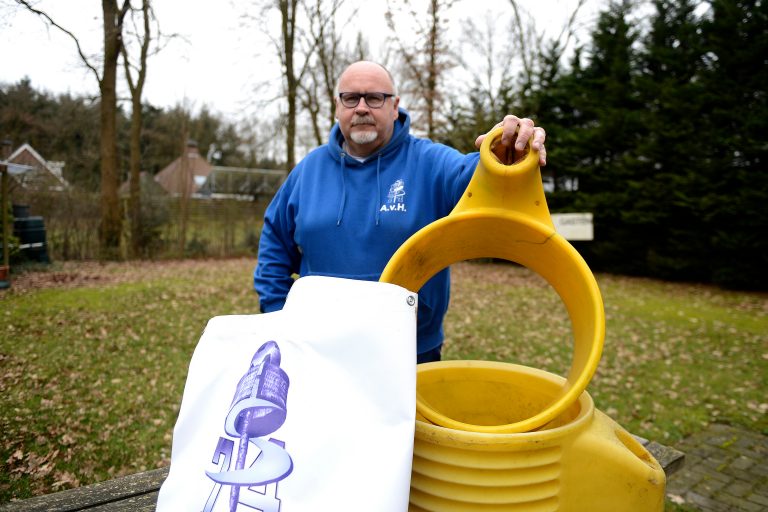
308, 409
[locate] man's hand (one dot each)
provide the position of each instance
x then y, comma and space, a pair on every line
517, 132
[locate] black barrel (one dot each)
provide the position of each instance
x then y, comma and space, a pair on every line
32, 239
20, 210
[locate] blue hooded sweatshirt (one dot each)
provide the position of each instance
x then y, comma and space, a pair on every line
337, 216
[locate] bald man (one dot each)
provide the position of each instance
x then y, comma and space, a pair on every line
349, 204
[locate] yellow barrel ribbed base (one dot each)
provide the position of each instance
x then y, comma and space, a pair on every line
580, 461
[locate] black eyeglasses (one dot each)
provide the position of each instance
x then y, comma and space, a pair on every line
372, 99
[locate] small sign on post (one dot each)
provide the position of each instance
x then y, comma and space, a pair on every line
574, 226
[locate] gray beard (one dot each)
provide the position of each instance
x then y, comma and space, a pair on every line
365, 137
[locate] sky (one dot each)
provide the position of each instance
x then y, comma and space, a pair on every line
216, 60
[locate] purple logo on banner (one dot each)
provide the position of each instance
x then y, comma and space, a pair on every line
258, 409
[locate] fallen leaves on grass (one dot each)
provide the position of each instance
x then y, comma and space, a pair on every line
93, 360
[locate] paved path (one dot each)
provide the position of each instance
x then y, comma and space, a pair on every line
726, 470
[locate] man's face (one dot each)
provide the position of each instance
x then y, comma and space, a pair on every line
364, 128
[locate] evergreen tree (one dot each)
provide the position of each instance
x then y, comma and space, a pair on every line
736, 80
555, 104
470, 115
63, 128
610, 126
20, 108
668, 182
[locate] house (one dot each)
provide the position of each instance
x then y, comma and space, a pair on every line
242, 183
39, 174
147, 183
192, 173
186, 174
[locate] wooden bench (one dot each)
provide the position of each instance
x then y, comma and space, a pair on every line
138, 493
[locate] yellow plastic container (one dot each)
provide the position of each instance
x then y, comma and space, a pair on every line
581, 461
503, 214
503, 437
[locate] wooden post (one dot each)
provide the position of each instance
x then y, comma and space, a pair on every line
6, 237
4, 211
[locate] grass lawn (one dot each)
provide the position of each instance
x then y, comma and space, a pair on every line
93, 358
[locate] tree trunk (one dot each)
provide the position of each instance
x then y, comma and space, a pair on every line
424, 62
111, 218
137, 88
288, 13
134, 201
432, 73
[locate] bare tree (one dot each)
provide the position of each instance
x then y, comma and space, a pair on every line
309, 48
361, 50
111, 218
529, 40
506, 69
137, 87
426, 59
486, 57
284, 45
326, 57
288, 11
312, 104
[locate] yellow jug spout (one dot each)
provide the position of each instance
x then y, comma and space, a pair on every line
516, 187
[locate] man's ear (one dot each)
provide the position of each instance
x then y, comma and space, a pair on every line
395, 104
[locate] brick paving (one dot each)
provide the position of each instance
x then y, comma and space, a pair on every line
725, 470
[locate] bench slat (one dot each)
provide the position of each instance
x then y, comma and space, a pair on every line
138, 493
101, 496
142, 503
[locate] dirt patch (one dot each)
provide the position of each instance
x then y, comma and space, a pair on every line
74, 274
497, 272
35, 280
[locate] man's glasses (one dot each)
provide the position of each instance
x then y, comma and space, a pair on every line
372, 99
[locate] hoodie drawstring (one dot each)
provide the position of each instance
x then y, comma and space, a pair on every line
343, 190
378, 187
343, 203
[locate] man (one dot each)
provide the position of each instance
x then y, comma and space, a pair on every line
348, 205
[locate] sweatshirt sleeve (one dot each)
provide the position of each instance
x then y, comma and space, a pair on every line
279, 256
465, 169
456, 172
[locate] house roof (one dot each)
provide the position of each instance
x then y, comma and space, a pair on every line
186, 174
44, 173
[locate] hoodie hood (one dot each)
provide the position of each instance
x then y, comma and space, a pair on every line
399, 134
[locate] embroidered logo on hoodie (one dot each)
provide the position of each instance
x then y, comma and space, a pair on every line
395, 198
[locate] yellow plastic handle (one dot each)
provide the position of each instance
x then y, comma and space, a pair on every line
503, 214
